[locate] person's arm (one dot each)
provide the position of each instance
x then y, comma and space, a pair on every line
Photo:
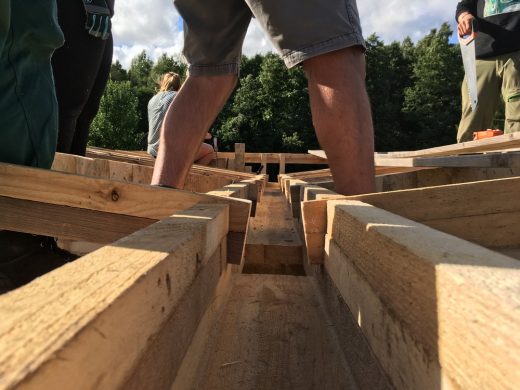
465, 13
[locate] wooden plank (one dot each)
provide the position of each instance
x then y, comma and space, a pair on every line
197, 180
464, 210
272, 237
282, 164
454, 298
66, 222
240, 150
498, 160
94, 318
281, 340
111, 196
274, 158
131, 157
506, 141
440, 176
263, 161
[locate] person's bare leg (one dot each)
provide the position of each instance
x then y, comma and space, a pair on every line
186, 122
342, 118
204, 155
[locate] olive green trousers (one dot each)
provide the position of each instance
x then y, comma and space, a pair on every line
495, 77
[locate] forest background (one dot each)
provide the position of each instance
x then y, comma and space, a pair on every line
414, 89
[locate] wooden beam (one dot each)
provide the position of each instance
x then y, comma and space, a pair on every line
440, 176
111, 196
282, 164
70, 223
492, 160
95, 318
442, 297
240, 150
263, 161
274, 158
506, 141
483, 212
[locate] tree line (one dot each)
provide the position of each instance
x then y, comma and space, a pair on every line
414, 89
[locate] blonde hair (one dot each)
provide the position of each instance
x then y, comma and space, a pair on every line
170, 81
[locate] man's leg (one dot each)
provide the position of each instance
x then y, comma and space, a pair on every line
510, 73
342, 118
186, 122
488, 87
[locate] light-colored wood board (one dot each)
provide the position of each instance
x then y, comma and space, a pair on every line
440, 176
492, 160
143, 159
240, 150
272, 236
281, 340
455, 298
112, 196
274, 158
164, 355
442, 207
197, 180
66, 222
86, 324
406, 362
451, 202
506, 141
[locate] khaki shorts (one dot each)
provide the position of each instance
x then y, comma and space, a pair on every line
214, 30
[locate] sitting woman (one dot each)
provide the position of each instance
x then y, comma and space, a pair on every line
169, 84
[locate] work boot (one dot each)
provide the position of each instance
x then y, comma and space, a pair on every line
24, 257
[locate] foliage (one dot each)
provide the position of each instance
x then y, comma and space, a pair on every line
115, 126
432, 103
414, 89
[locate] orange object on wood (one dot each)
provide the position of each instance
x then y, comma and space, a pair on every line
486, 134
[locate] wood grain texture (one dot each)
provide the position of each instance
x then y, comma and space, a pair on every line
492, 160
272, 237
197, 180
86, 324
506, 141
440, 176
66, 222
456, 299
406, 362
114, 197
281, 340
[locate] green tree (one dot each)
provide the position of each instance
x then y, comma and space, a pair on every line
167, 64
140, 71
115, 126
388, 74
432, 103
117, 72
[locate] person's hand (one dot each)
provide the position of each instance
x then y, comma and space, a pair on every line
464, 26
98, 21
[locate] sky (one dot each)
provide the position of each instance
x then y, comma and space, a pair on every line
155, 25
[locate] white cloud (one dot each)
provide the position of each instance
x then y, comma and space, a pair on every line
153, 25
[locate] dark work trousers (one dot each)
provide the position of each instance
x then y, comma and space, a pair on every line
81, 69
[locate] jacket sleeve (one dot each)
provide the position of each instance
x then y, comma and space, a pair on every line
466, 6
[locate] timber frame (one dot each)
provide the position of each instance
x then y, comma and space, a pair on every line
419, 283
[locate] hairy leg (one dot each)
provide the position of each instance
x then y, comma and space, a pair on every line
186, 122
204, 155
342, 118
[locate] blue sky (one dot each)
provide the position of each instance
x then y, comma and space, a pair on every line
154, 25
